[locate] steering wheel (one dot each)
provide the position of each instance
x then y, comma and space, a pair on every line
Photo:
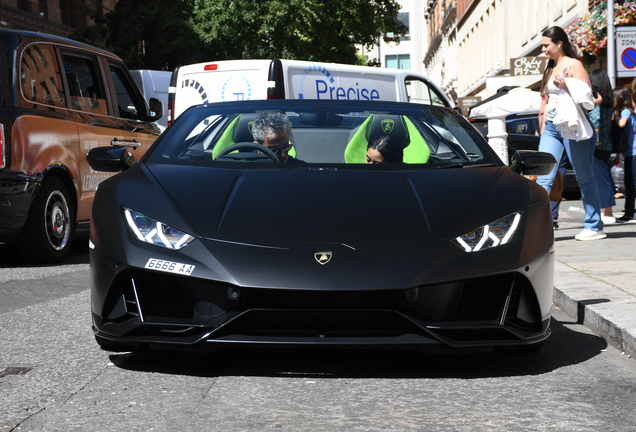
248, 145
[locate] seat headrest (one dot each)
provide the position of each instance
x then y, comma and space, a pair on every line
383, 124
243, 130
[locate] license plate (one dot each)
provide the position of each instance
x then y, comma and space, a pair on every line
169, 266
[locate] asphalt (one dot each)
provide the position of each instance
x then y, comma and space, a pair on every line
595, 281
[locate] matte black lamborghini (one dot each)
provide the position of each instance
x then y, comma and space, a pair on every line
211, 241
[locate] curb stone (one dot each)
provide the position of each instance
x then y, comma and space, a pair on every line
598, 305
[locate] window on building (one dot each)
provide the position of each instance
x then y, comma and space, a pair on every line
403, 17
400, 61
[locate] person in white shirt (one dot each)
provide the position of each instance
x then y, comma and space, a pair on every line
565, 68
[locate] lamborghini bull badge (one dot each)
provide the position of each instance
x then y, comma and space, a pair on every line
323, 257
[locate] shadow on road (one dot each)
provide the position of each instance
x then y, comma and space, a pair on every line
565, 347
10, 255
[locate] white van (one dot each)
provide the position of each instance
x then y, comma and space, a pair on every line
235, 80
154, 84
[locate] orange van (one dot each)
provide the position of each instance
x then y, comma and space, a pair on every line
59, 99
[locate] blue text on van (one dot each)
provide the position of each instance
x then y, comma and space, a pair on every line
342, 93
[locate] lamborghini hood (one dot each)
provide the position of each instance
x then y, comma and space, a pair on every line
290, 208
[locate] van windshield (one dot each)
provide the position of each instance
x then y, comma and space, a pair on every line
314, 134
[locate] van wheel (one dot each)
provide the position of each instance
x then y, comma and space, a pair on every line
48, 232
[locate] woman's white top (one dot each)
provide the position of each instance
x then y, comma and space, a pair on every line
553, 101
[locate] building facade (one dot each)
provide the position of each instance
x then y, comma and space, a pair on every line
408, 54
484, 35
56, 17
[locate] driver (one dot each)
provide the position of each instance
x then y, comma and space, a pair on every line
271, 130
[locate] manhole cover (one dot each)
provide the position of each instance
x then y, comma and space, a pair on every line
14, 371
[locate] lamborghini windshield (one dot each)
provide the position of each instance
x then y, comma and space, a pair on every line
312, 134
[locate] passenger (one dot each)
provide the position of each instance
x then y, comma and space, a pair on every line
271, 130
384, 149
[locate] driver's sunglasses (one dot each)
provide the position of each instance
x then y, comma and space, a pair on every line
281, 149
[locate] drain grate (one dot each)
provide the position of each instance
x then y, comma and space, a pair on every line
14, 371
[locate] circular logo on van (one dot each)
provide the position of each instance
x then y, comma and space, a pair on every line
236, 88
311, 70
196, 91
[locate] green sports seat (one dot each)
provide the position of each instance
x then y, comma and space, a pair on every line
415, 148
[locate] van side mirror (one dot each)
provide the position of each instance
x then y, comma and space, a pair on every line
110, 159
156, 109
532, 163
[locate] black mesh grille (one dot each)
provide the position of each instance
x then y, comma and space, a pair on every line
483, 298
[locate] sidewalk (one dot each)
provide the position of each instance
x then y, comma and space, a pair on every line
595, 281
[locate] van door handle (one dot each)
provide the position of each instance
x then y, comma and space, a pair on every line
124, 143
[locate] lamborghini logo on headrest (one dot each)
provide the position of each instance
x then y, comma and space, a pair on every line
387, 126
249, 127
323, 257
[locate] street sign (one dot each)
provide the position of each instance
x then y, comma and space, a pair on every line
626, 51
466, 102
523, 66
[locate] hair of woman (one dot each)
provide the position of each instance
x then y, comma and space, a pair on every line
557, 35
623, 98
600, 80
389, 147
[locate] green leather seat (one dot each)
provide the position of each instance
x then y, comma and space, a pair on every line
415, 148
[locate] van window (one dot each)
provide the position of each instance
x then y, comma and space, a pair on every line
84, 84
419, 91
40, 77
129, 105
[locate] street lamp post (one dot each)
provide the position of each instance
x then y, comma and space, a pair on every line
611, 44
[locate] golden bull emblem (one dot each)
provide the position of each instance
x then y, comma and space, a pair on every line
323, 257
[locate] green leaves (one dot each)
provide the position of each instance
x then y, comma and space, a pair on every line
153, 33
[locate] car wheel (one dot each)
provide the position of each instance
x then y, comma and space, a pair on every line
48, 232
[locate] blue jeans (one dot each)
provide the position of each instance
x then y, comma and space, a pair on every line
581, 155
603, 176
630, 185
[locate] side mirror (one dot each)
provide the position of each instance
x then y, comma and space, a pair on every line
156, 109
532, 163
110, 159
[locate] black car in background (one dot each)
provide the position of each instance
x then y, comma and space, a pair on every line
523, 134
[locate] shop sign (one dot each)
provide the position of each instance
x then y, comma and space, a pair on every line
523, 66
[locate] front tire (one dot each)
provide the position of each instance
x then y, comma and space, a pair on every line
48, 232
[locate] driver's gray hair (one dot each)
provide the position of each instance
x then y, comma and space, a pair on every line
270, 124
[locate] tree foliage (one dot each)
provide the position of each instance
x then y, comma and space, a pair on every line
187, 31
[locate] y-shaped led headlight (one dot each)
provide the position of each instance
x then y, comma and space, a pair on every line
151, 231
494, 234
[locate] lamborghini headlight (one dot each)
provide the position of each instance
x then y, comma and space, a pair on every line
494, 234
152, 231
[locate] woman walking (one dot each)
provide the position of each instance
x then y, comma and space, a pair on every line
566, 85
